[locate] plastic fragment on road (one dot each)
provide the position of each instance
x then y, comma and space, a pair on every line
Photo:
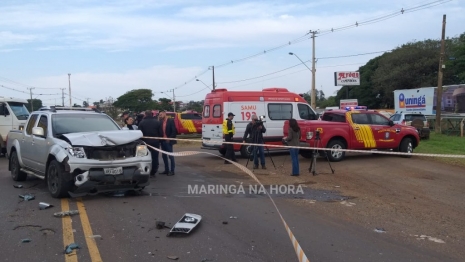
380, 230
161, 225
66, 213
173, 257
69, 248
186, 224
18, 186
27, 197
231, 217
95, 236
26, 240
43, 205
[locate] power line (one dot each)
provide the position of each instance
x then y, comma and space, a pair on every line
27, 92
196, 92
28, 86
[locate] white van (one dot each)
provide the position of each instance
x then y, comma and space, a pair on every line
13, 116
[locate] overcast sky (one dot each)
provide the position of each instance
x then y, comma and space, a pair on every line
121, 45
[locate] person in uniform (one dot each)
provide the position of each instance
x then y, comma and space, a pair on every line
228, 133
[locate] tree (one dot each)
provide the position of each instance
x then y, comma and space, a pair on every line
165, 104
76, 105
36, 104
85, 104
136, 100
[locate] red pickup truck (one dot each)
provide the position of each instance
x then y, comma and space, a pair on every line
355, 129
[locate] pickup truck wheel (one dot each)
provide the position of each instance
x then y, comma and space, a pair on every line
246, 151
222, 151
406, 146
335, 156
58, 180
16, 172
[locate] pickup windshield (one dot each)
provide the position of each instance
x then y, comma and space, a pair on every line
19, 109
76, 123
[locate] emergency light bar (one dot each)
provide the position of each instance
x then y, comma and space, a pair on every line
350, 108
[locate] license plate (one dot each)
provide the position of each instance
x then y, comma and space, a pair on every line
113, 171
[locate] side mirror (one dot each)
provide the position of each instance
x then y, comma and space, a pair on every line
38, 131
391, 123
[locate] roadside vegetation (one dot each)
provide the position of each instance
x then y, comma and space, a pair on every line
443, 144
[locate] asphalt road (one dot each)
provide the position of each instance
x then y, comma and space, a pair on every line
122, 228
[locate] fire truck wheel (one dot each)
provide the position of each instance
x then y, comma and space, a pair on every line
336, 156
222, 151
406, 146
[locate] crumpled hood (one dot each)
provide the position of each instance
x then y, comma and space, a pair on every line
104, 138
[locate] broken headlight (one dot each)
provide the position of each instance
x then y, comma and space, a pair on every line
77, 152
142, 150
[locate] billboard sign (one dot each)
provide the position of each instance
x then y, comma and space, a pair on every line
347, 103
346, 78
415, 100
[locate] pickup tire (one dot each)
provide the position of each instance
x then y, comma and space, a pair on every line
406, 146
58, 181
246, 151
16, 172
336, 156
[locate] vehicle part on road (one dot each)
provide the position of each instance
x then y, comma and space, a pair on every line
173, 257
225, 222
43, 205
380, 230
69, 248
66, 213
27, 197
233, 217
27, 240
95, 236
161, 225
186, 224
18, 186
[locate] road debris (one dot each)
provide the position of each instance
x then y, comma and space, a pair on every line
225, 222
186, 224
66, 213
18, 186
26, 240
380, 230
173, 257
233, 217
430, 238
43, 205
95, 236
347, 203
69, 248
161, 225
27, 197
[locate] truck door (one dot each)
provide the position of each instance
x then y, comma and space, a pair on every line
362, 137
40, 148
244, 112
27, 150
385, 135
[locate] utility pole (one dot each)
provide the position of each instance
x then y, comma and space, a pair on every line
62, 97
174, 102
213, 69
69, 80
440, 74
313, 95
30, 91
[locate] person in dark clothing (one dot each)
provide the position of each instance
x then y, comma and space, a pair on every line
169, 131
151, 127
130, 124
139, 119
255, 130
228, 133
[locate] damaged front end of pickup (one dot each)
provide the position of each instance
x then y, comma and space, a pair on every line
107, 161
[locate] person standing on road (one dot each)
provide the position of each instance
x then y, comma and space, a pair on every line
169, 131
293, 139
151, 127
228, 133
254, 131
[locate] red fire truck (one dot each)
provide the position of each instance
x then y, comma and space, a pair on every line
276, 104
354, 128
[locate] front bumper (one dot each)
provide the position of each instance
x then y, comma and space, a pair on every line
89, 177
95, 181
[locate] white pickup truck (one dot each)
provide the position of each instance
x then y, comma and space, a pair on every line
78, 153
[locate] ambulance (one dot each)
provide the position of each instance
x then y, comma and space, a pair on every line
275, 104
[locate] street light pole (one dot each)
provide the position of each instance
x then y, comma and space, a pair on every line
69, 80
312, 91
313, 97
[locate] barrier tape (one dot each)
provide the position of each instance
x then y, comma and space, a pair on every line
369, 151
298, 249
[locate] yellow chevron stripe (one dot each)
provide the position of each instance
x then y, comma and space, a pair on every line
364, 134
